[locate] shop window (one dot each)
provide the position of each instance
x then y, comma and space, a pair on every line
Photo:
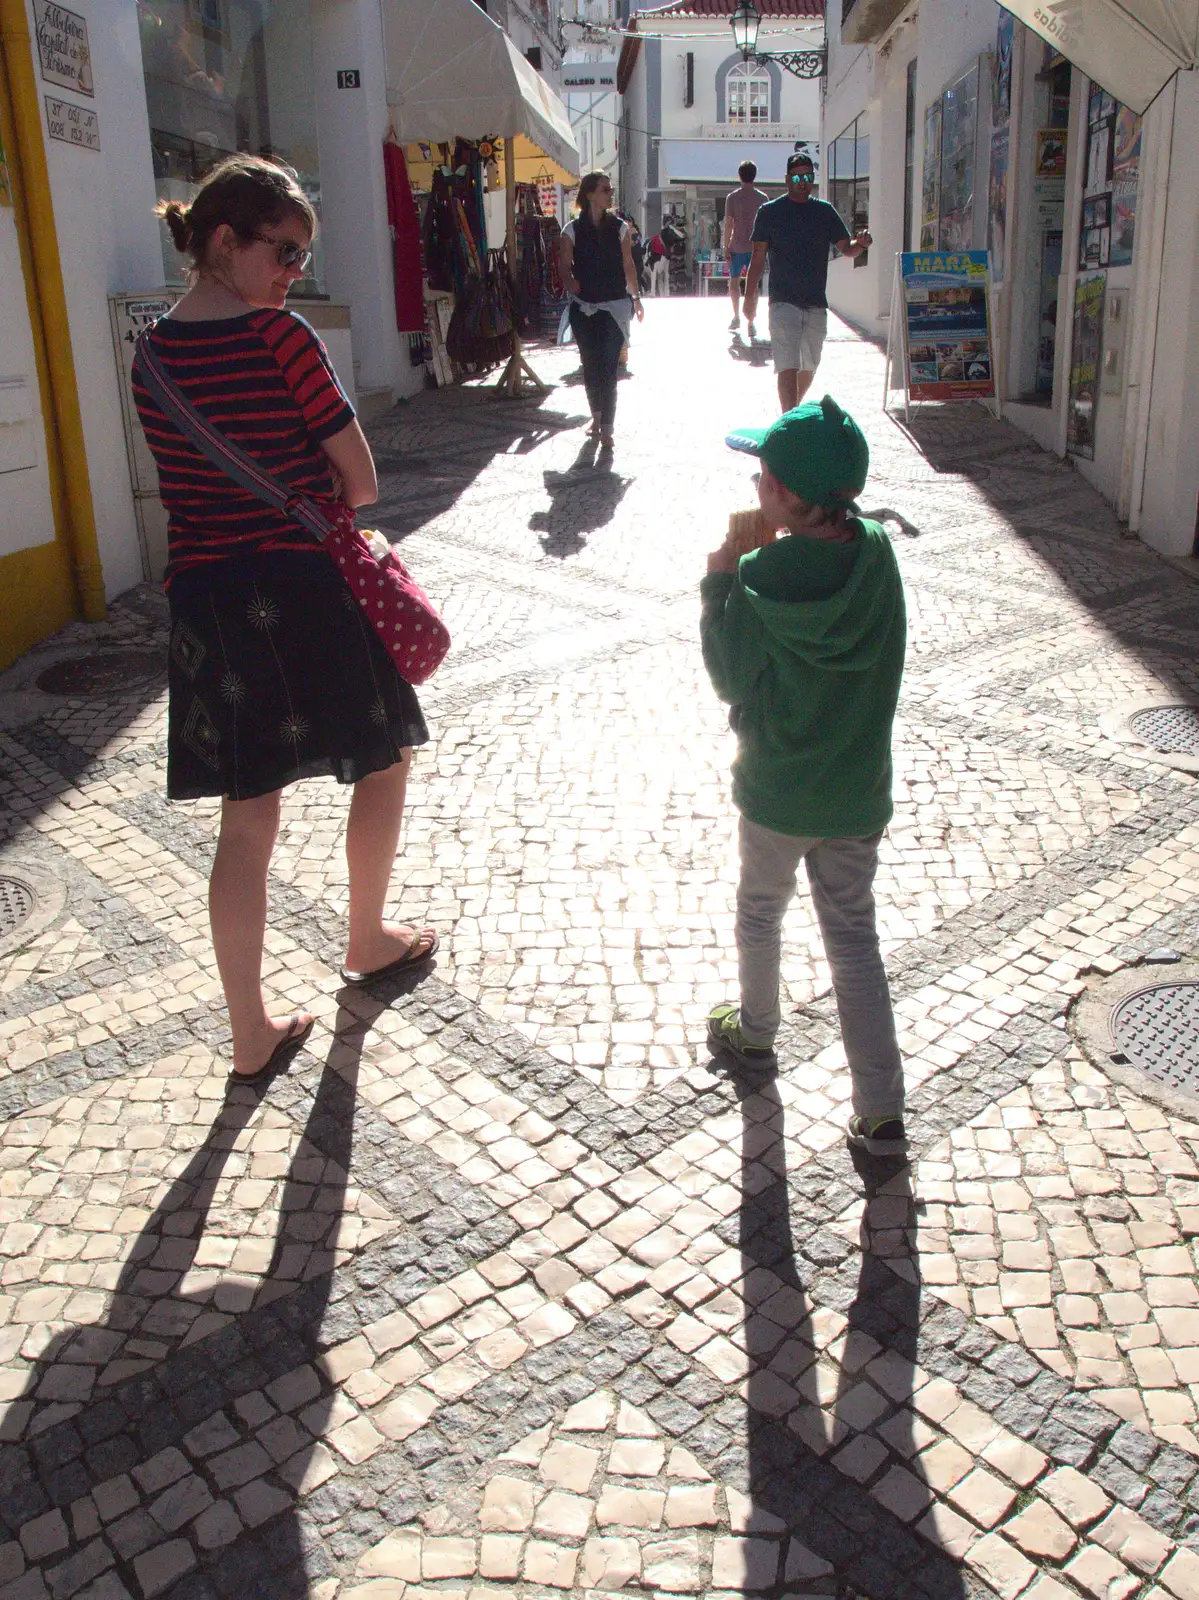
849, 178
533, 56
224, 76
748, 89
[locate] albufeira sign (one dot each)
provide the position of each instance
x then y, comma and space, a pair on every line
62, 46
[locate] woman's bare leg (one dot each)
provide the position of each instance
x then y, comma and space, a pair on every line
237, 910
372, 836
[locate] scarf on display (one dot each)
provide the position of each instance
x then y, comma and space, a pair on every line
405, 226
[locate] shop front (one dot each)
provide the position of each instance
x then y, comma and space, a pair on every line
487, 150
1092, 229
698, 175
984, 135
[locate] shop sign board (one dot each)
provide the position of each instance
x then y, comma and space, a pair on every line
72, 124
62, 47
945, 308
1085, 353
597, 77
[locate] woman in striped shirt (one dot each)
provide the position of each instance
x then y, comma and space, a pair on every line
274, 673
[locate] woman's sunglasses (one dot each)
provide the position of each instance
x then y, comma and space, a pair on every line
286, 253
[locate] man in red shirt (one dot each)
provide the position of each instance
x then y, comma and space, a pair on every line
740, 214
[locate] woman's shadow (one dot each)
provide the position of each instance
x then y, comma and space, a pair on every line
821, 1428
184, 1478
582, 500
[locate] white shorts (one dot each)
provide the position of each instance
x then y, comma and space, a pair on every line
797, 335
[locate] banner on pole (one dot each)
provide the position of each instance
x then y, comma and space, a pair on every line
945, 306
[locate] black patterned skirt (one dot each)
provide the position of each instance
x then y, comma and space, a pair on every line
274, 675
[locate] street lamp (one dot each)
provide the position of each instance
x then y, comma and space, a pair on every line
745, 22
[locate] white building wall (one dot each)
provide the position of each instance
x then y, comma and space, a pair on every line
108, 241
945, 37
1168, 514
635, 143
351, 127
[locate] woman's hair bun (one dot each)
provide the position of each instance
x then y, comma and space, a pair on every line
175, 217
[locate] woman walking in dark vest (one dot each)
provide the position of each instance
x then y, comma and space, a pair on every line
596, 258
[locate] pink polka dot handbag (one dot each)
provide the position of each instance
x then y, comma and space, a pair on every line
399, 610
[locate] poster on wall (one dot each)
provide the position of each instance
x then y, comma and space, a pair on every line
997, 202
1084, 364
1001, 78
1051, 269
947, 325
1126, 167
959, 126
930, 201
1050, 159
62, 47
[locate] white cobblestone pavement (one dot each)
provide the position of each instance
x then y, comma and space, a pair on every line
503, 1289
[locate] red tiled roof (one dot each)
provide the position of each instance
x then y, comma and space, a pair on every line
808, 9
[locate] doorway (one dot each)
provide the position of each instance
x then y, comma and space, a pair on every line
1038, 264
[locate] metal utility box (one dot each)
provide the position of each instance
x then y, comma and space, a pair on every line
129, 314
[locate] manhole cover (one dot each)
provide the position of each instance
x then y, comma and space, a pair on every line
17, 903
1157, 1028
106, 672
1174, 730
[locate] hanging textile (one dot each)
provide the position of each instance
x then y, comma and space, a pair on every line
440, 229
468, 174
454, 232
404, 222
486, 316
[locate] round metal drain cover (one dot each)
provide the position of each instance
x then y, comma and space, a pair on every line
1174, 730
1157, 1028
106, 672
17, 905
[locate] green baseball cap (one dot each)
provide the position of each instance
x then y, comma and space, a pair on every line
818, 451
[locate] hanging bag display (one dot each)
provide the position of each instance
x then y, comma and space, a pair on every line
397, 607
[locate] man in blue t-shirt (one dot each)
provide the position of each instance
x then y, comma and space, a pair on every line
797, 231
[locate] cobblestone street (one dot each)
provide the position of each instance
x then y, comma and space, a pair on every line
503, 1289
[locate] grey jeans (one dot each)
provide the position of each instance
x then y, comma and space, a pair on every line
841, 876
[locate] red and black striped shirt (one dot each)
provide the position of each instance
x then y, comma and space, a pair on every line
265, 381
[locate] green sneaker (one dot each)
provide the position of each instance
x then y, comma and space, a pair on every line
724, 1037
878, 1136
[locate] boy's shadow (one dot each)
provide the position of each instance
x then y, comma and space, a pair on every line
201, 1392
814, 1411
581, 500
755, 353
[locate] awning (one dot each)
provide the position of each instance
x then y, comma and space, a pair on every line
1131, 48
452, 73
717, 160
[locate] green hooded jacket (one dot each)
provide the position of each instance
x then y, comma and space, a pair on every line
806, 642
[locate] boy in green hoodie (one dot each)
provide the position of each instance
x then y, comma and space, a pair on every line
805, 639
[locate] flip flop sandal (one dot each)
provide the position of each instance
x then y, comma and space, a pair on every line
290, 1045
414, 956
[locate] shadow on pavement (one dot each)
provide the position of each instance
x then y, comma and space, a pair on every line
756, 354
1073, 532
137, 631
581, 501
429, 451
816, 1418
232, 1499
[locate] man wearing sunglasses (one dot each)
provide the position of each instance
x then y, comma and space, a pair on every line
797, 231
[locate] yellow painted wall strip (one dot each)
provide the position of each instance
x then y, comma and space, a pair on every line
32, 182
